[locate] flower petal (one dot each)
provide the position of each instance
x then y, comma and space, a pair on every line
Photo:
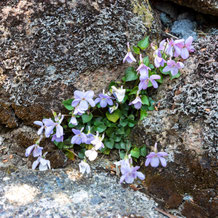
155, 162
29, 150
163, 161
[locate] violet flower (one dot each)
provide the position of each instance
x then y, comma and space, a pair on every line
143, 69
39, 123
104, 100
37, 150
187, 47
129, 173
73, 121
137, 103
119, 94
97, 141
84, 167
112, 109
83, 100
79, 137
50, 125
129, 56
162, 45
144, 83
158, 60
55, 138
43, 164
173, 67
174, 47
154, 158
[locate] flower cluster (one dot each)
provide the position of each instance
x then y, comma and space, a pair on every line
99, 124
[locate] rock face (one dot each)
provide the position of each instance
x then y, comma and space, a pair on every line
65, 193
205, 6
185, 125
50, 48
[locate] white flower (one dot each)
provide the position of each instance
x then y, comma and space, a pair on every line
119, 93
97, 142
84, 167
91, 154
43, 164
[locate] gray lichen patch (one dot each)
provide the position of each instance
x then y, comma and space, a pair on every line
46, 45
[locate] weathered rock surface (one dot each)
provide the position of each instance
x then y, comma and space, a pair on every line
50, 48
185, 125
205, 6
65, 193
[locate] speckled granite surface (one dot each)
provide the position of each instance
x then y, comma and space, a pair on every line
64, 193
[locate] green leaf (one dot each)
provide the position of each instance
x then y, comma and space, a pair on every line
109, 143
67, 104
114, 117
143, 151
122, 154
120, 131
86, 117
133, 91
110, 131
117, 146
136, 49
151, 66
123, 122
100, 128
146, 60
117, 138
122, 145
135, 152
131, 124
143, 44
145, 100
106, 151
176, 76
81, 154
131, 74
143, 114
131, 117
98, 121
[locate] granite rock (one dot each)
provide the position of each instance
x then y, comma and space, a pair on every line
185, 126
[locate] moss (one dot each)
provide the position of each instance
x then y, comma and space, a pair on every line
143, 10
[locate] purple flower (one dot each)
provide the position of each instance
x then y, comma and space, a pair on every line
89, 138
137, 103
187, 47
174, 46
37, 151
78, 111
43, 164
55, 138
162, 45
173, 67
83, 99
143, 69
39, 123
50, 125
73, 121
144, 83
158, 60
79, 137
129, 173
129, 56
104, 100
154, 158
